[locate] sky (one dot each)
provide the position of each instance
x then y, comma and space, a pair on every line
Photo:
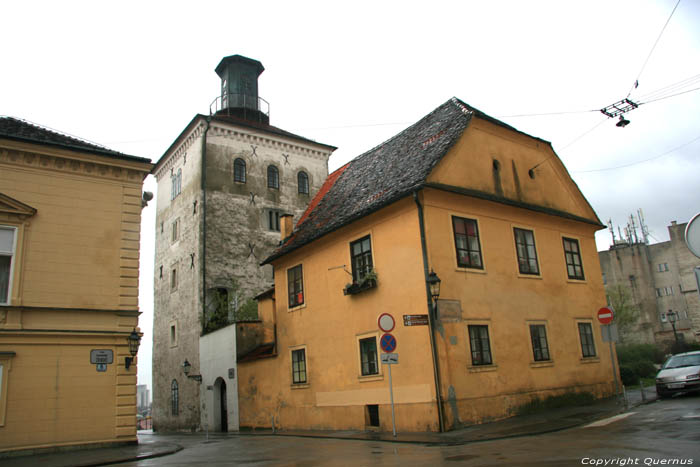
131, 75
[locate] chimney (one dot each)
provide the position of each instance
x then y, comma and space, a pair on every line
239, 90
285, 226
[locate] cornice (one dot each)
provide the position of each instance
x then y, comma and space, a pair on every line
179, 151
242, 135
66, 164
258, 138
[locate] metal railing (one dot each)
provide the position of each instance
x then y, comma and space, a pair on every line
239, 101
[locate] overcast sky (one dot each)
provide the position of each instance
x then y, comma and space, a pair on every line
131, 75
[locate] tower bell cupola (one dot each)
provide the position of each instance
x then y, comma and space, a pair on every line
239, 90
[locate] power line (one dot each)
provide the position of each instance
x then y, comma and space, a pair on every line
639, 162
671, 88
672, 95
583, 134
547, 113
636, 82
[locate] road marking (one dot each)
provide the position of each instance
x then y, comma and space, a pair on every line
691, 416
607, 421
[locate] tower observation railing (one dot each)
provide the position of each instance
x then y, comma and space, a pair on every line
237, 103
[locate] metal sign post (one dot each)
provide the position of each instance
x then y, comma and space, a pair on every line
606, 315
391, 359
388, 344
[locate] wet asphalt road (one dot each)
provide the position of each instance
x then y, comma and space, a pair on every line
666, 432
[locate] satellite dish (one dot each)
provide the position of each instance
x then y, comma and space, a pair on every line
692, 235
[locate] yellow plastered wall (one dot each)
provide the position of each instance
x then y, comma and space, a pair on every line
508, 302
329, 325
74, 289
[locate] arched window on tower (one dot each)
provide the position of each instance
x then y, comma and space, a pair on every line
273, 177
239, 171
179, 181
303, 182
174, 398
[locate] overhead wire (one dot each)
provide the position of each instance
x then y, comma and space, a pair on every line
642, 161
636, 82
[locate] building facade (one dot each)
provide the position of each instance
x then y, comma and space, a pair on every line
70, 218
660, 282
458, 196
222, 187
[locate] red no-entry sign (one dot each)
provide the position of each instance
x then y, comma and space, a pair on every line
605, 315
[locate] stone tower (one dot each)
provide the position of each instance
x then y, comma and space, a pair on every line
222, 186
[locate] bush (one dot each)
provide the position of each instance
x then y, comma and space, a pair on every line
628, 376
639, 352
644, 369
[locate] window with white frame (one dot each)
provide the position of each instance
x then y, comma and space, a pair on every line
572, 256
526, 251
540, 348
480, 344
368, 356
8, 238
295, 286
585, 331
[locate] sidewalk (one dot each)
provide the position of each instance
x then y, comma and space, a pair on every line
146, 449
156, 445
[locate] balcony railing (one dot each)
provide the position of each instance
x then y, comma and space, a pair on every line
239, 104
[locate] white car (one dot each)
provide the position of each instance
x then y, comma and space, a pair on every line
680, 373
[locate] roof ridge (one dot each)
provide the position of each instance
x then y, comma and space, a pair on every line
454, 100
60, 133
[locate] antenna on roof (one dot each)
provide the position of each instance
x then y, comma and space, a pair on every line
612, 230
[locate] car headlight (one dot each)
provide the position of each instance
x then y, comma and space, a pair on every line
693, 376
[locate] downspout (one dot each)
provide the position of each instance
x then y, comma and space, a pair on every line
204, 221
431, 319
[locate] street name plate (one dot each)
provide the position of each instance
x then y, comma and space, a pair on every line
415, 320
390, 358
101, 356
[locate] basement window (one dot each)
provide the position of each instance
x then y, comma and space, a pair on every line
372, 415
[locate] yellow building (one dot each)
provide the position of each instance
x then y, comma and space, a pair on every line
70, 215
495, 215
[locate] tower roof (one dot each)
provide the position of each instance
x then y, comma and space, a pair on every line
240, 59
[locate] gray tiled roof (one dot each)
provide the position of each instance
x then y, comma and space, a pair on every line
20, 130
382, 175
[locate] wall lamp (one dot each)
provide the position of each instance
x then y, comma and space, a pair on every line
434, 284
134, 341
186, 367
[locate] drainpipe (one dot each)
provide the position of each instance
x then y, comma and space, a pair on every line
204, 218
431, 322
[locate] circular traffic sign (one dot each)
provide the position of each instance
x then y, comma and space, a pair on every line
692, 235
388, 343
386, 322
605, 315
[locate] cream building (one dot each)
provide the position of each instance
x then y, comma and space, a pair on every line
70, 214
660, 280
223, 185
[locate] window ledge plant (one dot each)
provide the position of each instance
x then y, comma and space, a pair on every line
368, 281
